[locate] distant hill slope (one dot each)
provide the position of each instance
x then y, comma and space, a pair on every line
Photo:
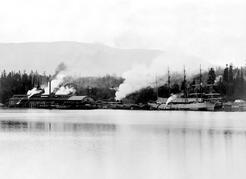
82, 58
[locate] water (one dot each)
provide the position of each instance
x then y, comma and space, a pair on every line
111, 144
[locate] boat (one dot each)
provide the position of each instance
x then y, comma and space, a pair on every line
187, 103
197, 101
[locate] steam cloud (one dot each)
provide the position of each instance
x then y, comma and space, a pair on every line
57, 80
171, 98
142, 75
60, 68
56, 84
65, 90
34, 91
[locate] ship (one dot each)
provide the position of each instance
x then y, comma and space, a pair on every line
208, 102
197, 101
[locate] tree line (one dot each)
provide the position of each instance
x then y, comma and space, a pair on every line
18, 83
99, 88
229, 82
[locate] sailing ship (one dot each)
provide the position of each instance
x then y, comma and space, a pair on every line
197, 101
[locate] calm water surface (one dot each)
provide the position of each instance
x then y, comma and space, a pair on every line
111, 144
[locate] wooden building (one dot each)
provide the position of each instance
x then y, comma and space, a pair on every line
52, 101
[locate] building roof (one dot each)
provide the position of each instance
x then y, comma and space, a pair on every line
76, 98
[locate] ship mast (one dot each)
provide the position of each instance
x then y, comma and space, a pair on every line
185, 86
200, 79
169, 81
184, 75
156, 85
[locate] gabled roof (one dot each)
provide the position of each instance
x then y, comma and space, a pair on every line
76, 98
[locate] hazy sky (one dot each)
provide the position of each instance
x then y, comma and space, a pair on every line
214, 30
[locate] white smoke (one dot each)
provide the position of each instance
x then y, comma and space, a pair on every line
57, 86
65, 90
34, 91
56, 83
60, 68
142, 75
171, 98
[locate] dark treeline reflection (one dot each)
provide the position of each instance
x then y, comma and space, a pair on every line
9, 125
163, 129
55, 127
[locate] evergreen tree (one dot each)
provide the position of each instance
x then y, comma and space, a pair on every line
220, 88
175, 88
237, 85
225, 74
242, 82
211, 76
163, 91
230, 74
230, 87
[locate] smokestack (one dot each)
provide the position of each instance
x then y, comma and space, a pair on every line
49, 84
50, 87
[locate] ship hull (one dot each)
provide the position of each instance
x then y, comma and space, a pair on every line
197, 106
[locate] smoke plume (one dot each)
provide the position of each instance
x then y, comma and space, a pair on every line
141, 76
171, 98
60, 68
56, 84
65, 90
34, 91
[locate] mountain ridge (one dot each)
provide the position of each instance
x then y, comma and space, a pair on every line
86, 59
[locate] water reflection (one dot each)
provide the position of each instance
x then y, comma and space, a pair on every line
133, 145
196, 153
54, 126
162, 129
15, 125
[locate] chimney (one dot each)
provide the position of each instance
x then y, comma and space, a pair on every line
49, 84
49, 87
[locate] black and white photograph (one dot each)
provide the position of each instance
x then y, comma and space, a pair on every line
123, 89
